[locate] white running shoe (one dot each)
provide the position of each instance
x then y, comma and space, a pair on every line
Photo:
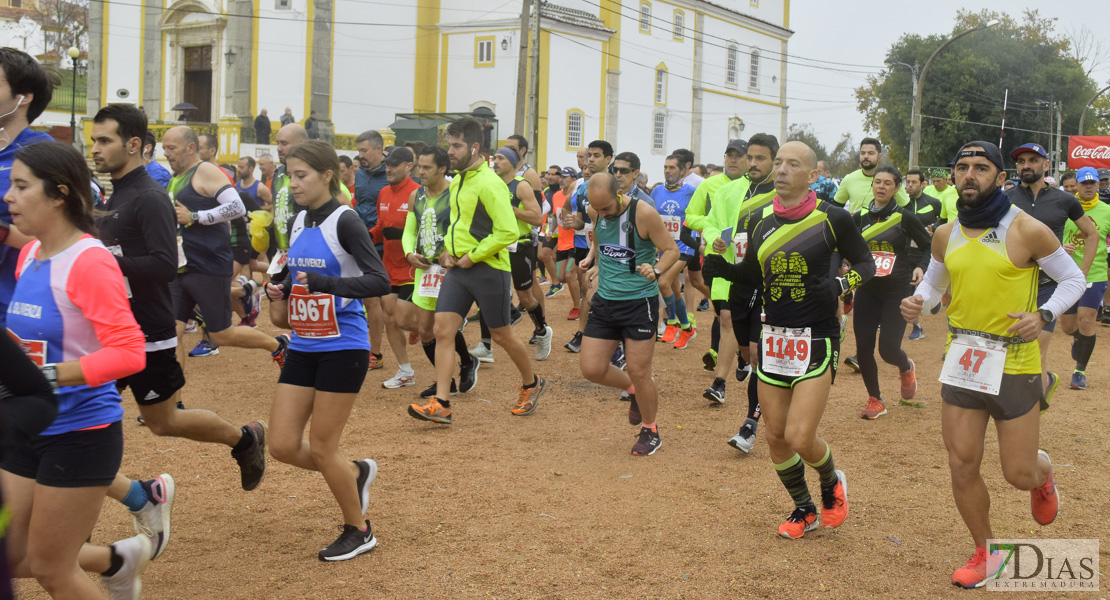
482, 353
153, 520
127, 583
543, 344
400, 380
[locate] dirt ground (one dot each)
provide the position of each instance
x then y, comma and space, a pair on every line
554, 506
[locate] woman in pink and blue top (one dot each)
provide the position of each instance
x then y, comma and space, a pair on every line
70, 315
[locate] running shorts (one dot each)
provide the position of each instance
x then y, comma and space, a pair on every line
523, 263
211, 293
491, 288
1017, 395
1091, 298
824, 356
622, 319
158, 381
75, 459
335, 371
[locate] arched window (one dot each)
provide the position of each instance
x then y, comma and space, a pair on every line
661, 84
679, 25
730, 64
753, 70
645, 17
574, 128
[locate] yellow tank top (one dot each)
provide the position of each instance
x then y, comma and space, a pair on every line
986, 286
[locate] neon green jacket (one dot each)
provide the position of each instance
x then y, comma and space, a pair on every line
483, 223
696, 212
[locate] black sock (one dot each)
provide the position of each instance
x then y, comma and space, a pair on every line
536, 313
543, 269
1086, 344
486, 337
753, 397
376, 355
1075, 345
740, 362
115, 562
715, 335
430, 351
535, 382
148, 487
244, 442
445, 403
460, 348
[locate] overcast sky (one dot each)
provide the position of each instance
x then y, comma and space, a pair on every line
859, 32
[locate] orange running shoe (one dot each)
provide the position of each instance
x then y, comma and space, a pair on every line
1044, 500
979, 567
574, 314
670, 333
432, 411
875, 409
834, 503
909, 382
376, 362
685, 336
799, 522
529, 398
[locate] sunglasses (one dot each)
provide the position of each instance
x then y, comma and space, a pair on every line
620, 170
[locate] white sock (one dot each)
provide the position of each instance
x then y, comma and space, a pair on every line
407, 369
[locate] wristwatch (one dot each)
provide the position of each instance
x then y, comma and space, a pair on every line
1046, 315
50, 371
657, 272
194, 217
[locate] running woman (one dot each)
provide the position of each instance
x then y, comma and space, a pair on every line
791, 247
429, 217
1079, 320
888, 229
70, 315
992, 257
477, 262
632, 249
332, 264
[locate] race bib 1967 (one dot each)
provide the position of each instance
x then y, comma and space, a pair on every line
312, 315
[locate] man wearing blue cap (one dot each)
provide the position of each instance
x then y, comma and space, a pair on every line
1079, 320
1054, 208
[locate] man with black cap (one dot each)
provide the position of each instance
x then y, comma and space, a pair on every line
1054, 208
991, 257
1104, 185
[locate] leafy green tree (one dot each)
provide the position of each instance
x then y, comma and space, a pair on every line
842, 158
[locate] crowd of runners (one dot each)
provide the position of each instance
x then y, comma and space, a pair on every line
98, 292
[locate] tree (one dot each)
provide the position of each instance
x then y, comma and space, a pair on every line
963, 95
842, 159
64, 23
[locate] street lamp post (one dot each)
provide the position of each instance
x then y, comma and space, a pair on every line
74, 54
1083, 115
913, 71
915, 136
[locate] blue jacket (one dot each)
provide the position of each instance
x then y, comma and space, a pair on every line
367, 186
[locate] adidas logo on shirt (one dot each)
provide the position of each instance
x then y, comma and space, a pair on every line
991, 238
151, 395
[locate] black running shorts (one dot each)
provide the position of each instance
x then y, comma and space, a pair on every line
622, 319
824, 355
159, 381
211, 293
491, 288
580, 254
693, 261
75, 459
747, 319
1017, 395
403, 292
523, 263
561, 255
336, 371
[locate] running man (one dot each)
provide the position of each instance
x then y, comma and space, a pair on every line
945, 193
888, 230
671, 200
632, 249
791, 247
1079, 320
475, 255
927, 210
992, 257
565, 259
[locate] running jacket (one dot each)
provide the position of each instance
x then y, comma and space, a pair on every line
702, 201
890, 231
393, 210
483, 223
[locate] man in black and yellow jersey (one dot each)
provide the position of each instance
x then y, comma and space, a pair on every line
791, 245
991, 255
476, 257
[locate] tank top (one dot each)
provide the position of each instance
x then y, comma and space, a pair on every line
318, 249
620, 251
524, 230
986, 286
252, 190
207, 247
433, 216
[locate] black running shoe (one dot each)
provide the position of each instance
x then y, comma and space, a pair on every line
647, 443
852, 362
350, 543
431, 391
468, 377
715, 393
252, 460
634, 417
515, 316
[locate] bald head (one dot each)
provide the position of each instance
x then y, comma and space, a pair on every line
603, 191
288, 136
803, 152
795, 170
179, 144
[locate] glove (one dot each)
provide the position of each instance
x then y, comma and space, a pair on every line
715, 265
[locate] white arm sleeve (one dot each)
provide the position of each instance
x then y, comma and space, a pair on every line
1070, 283
231, 207
933, 284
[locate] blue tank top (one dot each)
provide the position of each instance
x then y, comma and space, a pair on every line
251, 191
580, 202
671, 205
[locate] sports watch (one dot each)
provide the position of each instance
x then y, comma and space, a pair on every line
1046, 315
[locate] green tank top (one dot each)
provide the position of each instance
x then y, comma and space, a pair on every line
433, 216
524, 229
620, 251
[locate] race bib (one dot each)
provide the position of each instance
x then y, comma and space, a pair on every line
181, 260
884, 263
513, 246
974, 363
740, 242
117, 251
786, 351
276, 265
431, 281
312, 315
34, 349
673, 224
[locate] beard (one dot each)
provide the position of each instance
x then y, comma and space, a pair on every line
1030, 177
463, 162
866, 164
974, 196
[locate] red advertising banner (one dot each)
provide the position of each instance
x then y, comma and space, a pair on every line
1089, 151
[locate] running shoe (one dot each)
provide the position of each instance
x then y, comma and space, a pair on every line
127, 583
709, 360
468, 376
834, 502
541, 281
685, 337
153, 519
351, 542
574, 314
532, 340
634, 417
400, 380
670, 334
482, 353
917, 332
703, 305
1078, 381
432, 411
979, 567
936, 309
190, 326
875, 409
204, 348
909, 382
849, 302
515, 315
715, 393
252, 459
647, 442
376, 362
799, 522
843, 328
1104, 315
661, 330
247, 299
617, 360
1044, 500
575, 343
744, 372
283, 349
852, 362
367, 473
543, 343
1050, 390
431, 390
744, 441
555, 289
474, 318
529, 398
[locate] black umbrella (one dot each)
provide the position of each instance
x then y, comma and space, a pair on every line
183, 106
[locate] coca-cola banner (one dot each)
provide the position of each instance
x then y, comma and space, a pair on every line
1089, 151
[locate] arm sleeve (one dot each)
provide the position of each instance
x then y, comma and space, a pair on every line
95, 286
912, 226
160, 234
29, 406
696, 213
355, 240
500, 209
408, 240
934, 283
851, 246
1070, 282
231, 207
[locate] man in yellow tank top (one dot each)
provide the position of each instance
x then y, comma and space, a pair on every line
990, 254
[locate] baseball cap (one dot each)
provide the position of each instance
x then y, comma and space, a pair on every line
568, 172
399, 155
738, 145
1039, 149
990, 152
1104, 173
1086, 174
